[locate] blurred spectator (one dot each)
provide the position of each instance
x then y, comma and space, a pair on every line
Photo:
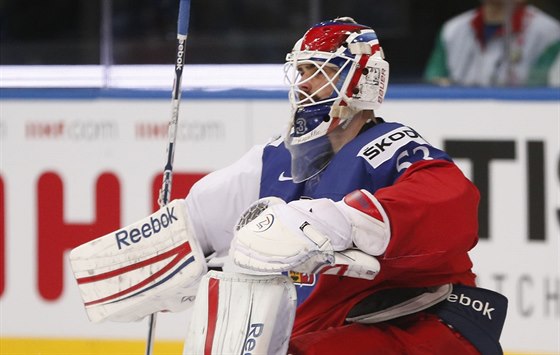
502, 43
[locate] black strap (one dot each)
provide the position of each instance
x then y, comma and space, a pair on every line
397, 302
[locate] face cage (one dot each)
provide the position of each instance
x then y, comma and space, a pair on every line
321, 60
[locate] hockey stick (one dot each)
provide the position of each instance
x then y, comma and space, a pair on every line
165, 191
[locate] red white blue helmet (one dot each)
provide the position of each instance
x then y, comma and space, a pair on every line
359, 83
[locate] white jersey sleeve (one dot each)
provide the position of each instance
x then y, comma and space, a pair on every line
217, 200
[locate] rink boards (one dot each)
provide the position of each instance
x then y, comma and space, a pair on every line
80, 162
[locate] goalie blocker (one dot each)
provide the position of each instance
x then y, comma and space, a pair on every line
152, 265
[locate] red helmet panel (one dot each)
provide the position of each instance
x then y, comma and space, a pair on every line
328, 36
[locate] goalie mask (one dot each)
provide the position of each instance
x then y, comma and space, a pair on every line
346, 60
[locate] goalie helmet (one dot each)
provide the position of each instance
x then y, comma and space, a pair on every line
348, 56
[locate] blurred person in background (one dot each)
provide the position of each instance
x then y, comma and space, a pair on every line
500, 43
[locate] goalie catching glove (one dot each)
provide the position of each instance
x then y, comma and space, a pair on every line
149, 266
313, 236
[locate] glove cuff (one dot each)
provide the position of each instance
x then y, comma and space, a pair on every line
371, 230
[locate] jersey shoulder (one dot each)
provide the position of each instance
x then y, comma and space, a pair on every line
394, 147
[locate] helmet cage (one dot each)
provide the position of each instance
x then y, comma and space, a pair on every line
320, 60
360, 81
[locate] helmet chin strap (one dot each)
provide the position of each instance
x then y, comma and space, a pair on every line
345, 113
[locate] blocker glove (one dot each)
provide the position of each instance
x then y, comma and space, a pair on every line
305, 235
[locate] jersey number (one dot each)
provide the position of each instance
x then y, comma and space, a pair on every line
402, 159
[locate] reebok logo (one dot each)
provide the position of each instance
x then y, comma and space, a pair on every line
155, 225
283, 177
477, 305
255, 331
180, 51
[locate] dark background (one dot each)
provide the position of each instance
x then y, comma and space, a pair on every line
221, 31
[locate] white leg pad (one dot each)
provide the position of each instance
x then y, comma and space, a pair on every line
152, 265
242, 314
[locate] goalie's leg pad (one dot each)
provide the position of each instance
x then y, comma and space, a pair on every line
242, 314
152, 265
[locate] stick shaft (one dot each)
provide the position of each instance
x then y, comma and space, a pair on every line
165, 192
183, 19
